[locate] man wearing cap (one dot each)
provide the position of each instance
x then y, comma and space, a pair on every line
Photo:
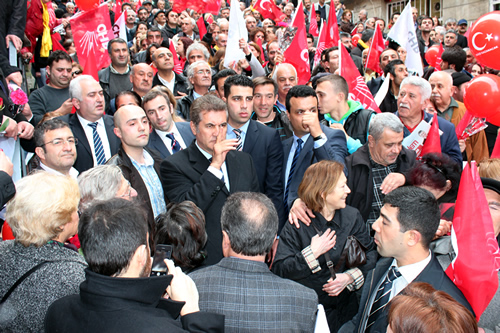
460, 82
161, 19
462, 27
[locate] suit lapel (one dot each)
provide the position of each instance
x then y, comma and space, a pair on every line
251, 137
287, 146
79, 133
157, 143
114, 142
308, 147
197, 159
232, 166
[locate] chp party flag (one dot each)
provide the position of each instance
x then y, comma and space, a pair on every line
139, 5
376, 48
332, 31
321, 44
177, 63
475, 267
202, 29
297, 54
313, 24
358, 91
91, 34
403, 33
432, 143
119, 28
117, 8
237, 30
269, 10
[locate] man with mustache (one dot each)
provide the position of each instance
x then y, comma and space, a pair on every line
286, 78
141, 76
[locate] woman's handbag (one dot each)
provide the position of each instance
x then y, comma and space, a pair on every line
354, 253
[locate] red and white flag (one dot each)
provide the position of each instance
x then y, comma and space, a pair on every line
91, 34
269, 10
139, 5
474, 269
376, 48
321, 44
297, 53
432, 143
119, 28
313, 24
332, 35
117, 8
358, 91
205, 6
177, 63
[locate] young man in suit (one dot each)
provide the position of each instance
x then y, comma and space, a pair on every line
167, 136
96, 140
209, 170
407, 224
261, 142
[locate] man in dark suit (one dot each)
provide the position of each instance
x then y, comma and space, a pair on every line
167, 136
311, 142
261, 142
209, 170
166, 77
407, 224
96, 140
254, 298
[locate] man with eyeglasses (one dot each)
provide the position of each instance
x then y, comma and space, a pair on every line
56, 148
199, 75
53, 98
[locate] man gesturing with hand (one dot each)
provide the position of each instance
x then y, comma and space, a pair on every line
209, 170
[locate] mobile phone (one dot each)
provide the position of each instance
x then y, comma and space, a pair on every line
162, 252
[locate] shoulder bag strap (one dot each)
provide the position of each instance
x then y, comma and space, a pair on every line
21, 279
329, 261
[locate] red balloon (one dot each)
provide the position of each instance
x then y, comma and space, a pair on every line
481, 97
431, 56
87, 4
355, 39
484, 40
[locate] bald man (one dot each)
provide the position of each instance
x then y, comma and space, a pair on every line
141, 76
476, 147
139, 165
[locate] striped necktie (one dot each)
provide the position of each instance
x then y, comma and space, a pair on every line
292, 170
176, 146
98, 147
237, 132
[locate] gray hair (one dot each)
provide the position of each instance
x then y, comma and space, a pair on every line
199, 47
75, 86
440, 30
222, 21
192, 68
384, 120
275, 73
450, 20
364, 12
422, 84
98, 184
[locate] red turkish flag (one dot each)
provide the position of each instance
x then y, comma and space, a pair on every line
332, 35
432, 143
91, 34
139, 5
321, 44
202, 29
202, 7
269, 10
297, 53
177, 63
475, 268
358, 91
313, 24
376, 48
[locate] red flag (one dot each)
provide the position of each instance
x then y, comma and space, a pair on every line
202, 29
177, 63
313, 24
474, 270
206, 6
432, 143
297, 53
139, 5
91, 34
269, 10
358, 91
259, 42
118, 8
210, 19
90, 67
376, 48
321, 44
55, 43
332, 35
496, 150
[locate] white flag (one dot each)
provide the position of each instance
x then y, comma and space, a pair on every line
403, 33
237, 30
119, 28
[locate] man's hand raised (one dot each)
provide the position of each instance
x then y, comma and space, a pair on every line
221, 147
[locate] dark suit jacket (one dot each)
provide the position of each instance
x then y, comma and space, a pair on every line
181, 84
156, 143
334, 149
84, 159
432, 274
264, 145
185, 176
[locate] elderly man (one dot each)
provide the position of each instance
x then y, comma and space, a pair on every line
450, 38
199, 75
197, 52
476, 146
209, 170
414, 94
164, 62
187, 26
249, 227
118, 286
141, 76
285, 76
94, 130
167, 136
130, 26
56, 147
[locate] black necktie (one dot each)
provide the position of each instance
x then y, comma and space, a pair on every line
292, 170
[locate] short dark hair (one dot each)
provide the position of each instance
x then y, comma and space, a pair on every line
455, 56
237, 80
183, 227
153, 29
391, 66
327, 52
130, 93
298, 92
126, 4
208, 102
344, 34
110, 232
367, 34
308, 35
264, 80
57, 56
47, 126
417, 210
116, 40
394, 14
251, 223
338, 82
226, 72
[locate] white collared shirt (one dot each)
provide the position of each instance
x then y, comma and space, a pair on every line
101, 130
214, 171
167, 141
169, 84
244, 130
408, 274
73, 173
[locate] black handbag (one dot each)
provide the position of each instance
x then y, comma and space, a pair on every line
354, 253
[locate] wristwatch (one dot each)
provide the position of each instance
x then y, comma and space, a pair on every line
319, 137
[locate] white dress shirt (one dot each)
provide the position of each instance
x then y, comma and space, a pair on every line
167, 141
101, 130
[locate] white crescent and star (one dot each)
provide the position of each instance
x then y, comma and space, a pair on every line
303, 55
262, 5
474, 41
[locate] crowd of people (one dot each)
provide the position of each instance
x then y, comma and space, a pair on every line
286, 207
